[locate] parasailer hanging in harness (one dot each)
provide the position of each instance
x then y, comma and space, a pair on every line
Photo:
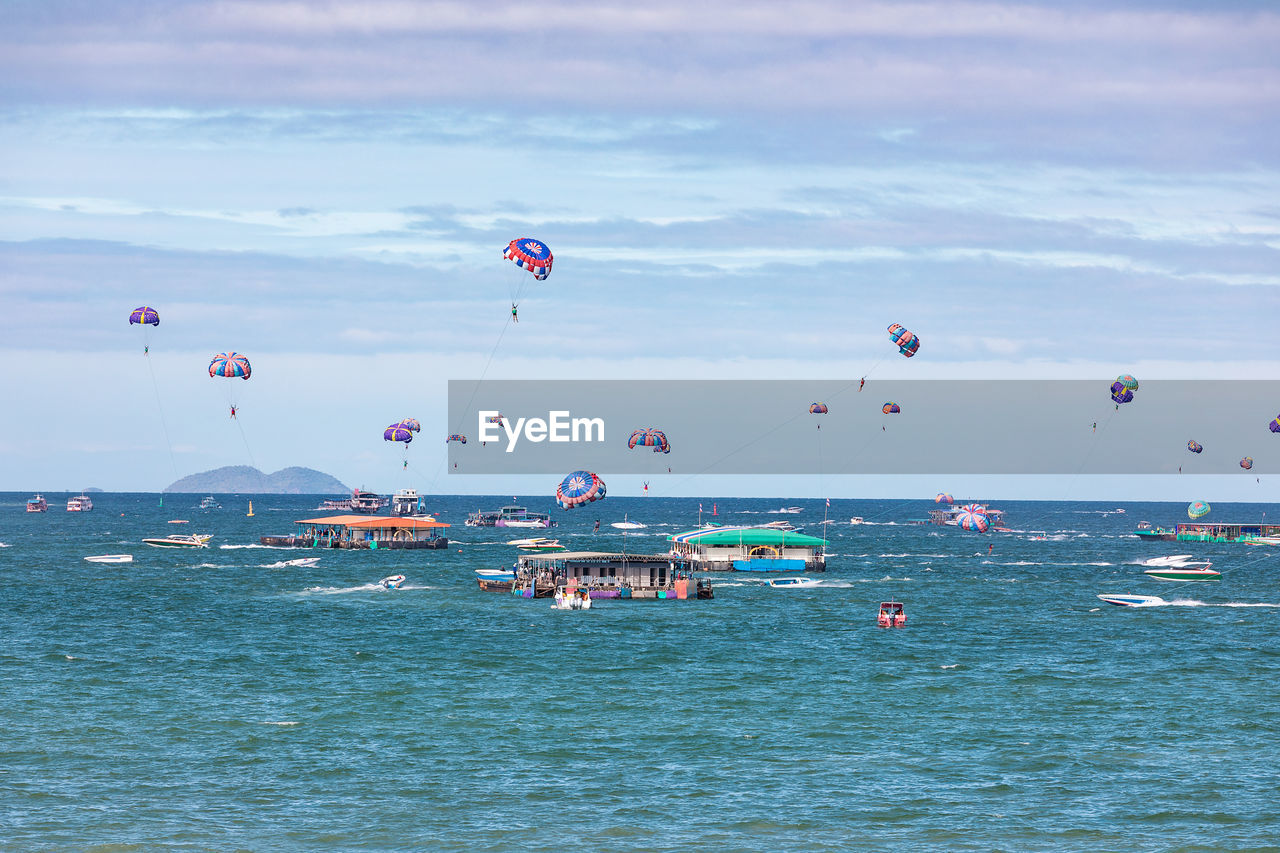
532, 256
233, 411
515, 317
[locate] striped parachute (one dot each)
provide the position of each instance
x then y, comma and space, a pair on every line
411, 424
530, 254
1197, 509
891, 408
944, 498
650, 437
1120, 394
580, 487
231, 365
1274, 426
146, 316
906, 340
1246, 463
461, 439
973, 517
818, 409
1128, 381
1194, 446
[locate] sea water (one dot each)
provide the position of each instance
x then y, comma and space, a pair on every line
208, 700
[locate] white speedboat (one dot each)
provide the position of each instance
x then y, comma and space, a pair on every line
111, 558
792, 583
1185, 572
496, 574
1133, 600
788, 510
857, 519
1175, 560
392, 582
538, 544
305, 563
628, 525
178, 540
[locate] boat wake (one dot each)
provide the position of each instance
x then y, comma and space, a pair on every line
237, 547
364, 587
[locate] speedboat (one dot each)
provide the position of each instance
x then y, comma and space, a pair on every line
891, 615
857, 519
1185, 572
1262, 540
577, 599
111, 558
788, 510
178, 540
1133, 600
628, 525
37, 504
391, 582
210, 503
538, 544
1175, 560
305, 563
792, 583
496, 574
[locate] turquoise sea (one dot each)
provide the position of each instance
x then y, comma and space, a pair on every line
206, 700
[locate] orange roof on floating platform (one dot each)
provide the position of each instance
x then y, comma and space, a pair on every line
366, 522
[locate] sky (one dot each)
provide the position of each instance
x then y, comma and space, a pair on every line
732, 191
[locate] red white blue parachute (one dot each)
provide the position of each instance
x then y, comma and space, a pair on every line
973, 517
1246, 463
650, 437
891, 408
818, 409
906, 340
411, 424
580, 487
1194, 446
944, 498
461, 439
530, 254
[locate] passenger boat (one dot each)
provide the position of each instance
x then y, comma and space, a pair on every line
509, 516
392, 582
210, 503
1133, 600
406, 502
179, 540
37, 504
792, 583
110, 558
80, 503
360, 501
1185, 572
891, 615
1247, 534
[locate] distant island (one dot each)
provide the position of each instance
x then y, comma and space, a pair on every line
245, 480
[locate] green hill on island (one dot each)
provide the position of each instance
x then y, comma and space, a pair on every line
244, 480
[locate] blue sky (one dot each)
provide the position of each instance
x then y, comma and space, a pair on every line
745, 190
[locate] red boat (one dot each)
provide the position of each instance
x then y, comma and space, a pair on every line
891, 615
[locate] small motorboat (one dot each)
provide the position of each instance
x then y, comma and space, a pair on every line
304, 562
577, 599
392, 582
857, 519
1185, 572
1133, 600
628, 525
792, 583
788, 510
111, 558
891, 615
780, 524
538, 544
497, 574
210, 503
178, 540
1175, 560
